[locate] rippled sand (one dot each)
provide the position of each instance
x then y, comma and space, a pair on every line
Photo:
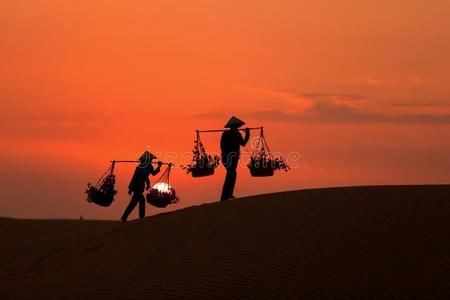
356, 242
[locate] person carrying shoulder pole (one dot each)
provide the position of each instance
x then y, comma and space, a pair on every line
139, 182
230, 144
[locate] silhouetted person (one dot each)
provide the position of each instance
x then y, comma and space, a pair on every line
139, 182
230, 145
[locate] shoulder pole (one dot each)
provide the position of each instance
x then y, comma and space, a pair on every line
136, 161
222, 130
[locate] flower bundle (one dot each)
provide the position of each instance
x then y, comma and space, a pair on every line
262, 162
162, 199
162, 194
104, 191
203, 164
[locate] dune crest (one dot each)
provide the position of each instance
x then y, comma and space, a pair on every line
355, 242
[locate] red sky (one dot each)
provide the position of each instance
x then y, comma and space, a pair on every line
360, 89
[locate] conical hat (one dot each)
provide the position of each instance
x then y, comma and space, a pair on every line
234, 122
146, 157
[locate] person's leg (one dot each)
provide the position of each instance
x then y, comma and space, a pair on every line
230, 182
226, 185
233, 177
134, 200
141, 206
230, 162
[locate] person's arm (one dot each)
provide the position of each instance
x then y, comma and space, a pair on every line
147, 183
244, 140
223, 142
132, 183
156, 171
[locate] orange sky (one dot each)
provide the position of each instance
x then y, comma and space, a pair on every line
361, 89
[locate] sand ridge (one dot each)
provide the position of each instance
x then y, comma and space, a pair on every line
355, 242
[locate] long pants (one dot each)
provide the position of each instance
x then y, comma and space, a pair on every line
230, 180
135, 199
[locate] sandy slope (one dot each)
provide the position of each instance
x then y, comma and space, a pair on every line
360, 242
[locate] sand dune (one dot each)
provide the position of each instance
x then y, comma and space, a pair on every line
358, 242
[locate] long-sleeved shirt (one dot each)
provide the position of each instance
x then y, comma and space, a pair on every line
140, 178
231, 142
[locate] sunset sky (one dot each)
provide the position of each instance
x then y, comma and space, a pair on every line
361, 89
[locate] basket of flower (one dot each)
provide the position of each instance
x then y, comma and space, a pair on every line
263, 166
162, 194
203, 164
103, 192
262, 162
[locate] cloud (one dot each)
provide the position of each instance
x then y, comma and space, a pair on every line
338, 108
211, 115
66, 126
316, 95
373, 81
345, 115
288, 105
323, 107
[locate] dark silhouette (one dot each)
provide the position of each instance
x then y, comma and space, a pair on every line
139, 182
162, 194
230, 145
103, 192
